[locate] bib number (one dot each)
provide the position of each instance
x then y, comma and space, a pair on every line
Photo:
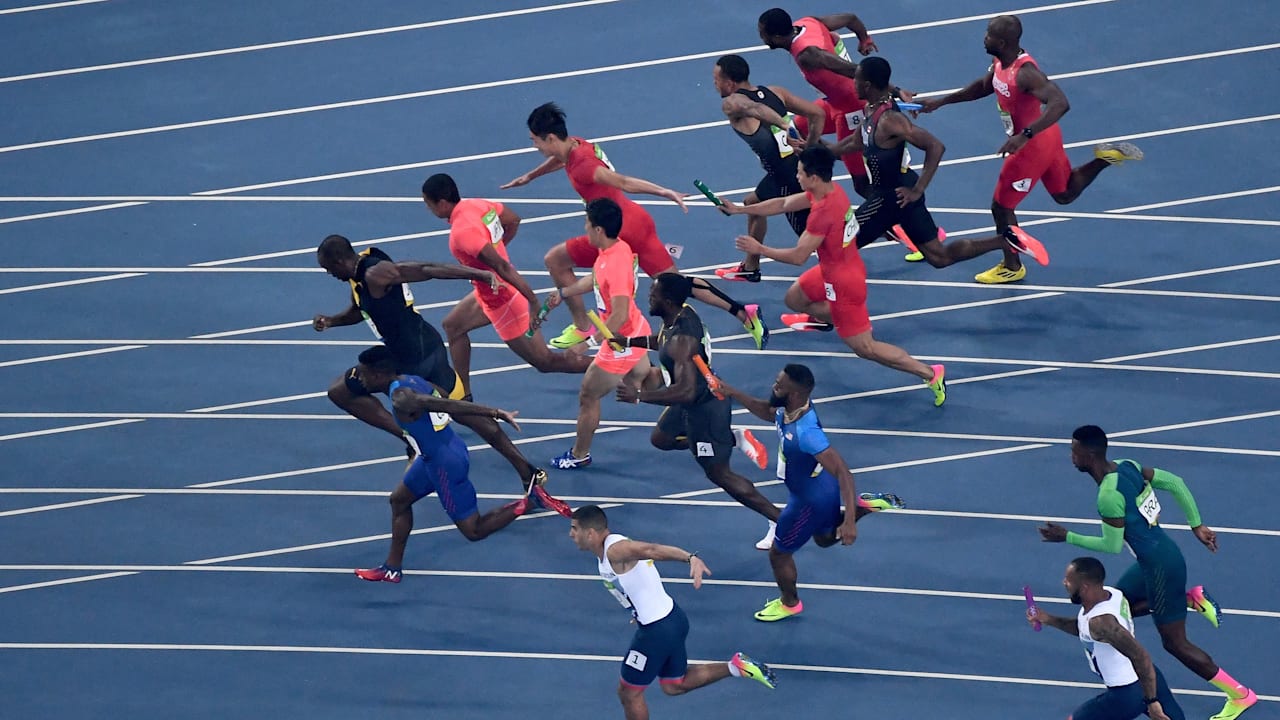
850, 232
1149, 506
781, 136
854, 121
1007, 120
830, 291
494, 225
906, 158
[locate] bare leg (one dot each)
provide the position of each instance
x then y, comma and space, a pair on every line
402, 500
461, 320
560, 265
697, 676
784, 573
867, 347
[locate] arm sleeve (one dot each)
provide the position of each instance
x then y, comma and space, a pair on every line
1111, 541
1165, 480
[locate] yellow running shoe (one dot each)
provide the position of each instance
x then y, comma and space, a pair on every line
570, 337
774, 610
1117, 153
999, 274
1234, 708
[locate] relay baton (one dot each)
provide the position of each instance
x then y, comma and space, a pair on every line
908, 106
542, 315
1031, 604
604, 329
713, 382
715, 199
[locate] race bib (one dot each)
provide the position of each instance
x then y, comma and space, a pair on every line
438, 419
617, 594
1149, 506
1007, 120
906, 158
840, 49
782, 136
830, 290
494, 224
854, 121
850, 231
603, 158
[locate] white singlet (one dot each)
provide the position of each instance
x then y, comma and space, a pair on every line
1115, 669
638, 589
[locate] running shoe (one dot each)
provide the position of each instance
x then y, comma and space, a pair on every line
1201, 602
1020, 241
774, 611
938, 384
739, 274
749, 668
897, 234
755, 325
766, 542
1117, 153
382, 573
568, 461
569, 337
1235, 707
1000, 274
875, 502
804, 322
751, 447
541, 498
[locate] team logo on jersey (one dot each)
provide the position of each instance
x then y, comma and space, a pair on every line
1023, 185
1000, 86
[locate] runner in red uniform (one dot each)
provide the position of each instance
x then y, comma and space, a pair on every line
1030, 106
823, 60
478, 235
835, 292
593, 177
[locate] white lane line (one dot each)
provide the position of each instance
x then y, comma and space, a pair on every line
568, 657
65, 505
48, 6
574, 577
73, 211
287, 43
1193, 348
1202, 198
67, 356
68, 283
64, 581
71, 428
1193, 273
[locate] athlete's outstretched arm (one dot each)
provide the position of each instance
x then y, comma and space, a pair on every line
628, 184
626, 553
548, 166
759, 407
1105, 628
816, 116
1167, 481
851, 144
975, 90
776, 206
849, 21
1065, 624
385, 274
350, 316
409, 402
797, 255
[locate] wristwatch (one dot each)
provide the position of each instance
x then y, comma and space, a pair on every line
1150, 700
1026, 132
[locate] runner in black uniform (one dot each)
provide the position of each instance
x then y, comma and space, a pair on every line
695, 419
760, 115
380, 297
896, 195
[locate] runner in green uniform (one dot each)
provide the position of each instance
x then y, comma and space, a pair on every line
1157, 584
